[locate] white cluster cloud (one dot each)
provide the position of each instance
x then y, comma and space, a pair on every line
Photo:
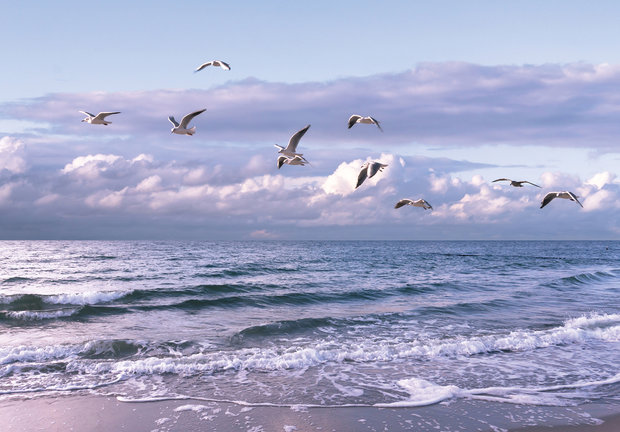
268, 204
12, 155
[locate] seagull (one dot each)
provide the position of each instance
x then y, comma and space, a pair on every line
291, 148
418, 203
99, 118
219, 63
359, 119
296, 160
182, 129
565, 194
369, 169
516, 183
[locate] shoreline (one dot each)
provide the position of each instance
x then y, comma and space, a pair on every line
86, 412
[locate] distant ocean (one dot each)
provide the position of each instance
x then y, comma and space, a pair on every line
294, 324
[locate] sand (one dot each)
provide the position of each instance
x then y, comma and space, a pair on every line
99, 413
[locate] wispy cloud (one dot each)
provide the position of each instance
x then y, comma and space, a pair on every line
449, 104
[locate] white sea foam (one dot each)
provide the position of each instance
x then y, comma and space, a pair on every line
423, 392
41, 315
254, 359
190, 407
37, 354
86, 298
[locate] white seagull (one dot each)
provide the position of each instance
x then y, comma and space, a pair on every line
564, 194
99, 118
366, 120
219, 63
291, 148
182, 129
418, 203
369, 169
296, 160
516, 183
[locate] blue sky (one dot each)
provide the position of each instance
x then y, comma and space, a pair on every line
466, 92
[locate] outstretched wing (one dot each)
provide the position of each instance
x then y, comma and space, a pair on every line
374, 168
529, 182
402, 202
353, 119
202, 66
362, 175
223, 65
188, 118
87, 113
547, 199
281, 161
103, 115
502, 179
573, 197
426, 205
173, 121
377, 123
294, 141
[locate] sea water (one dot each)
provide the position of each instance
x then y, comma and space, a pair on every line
303, 324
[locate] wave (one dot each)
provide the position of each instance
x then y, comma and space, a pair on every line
28, 315
191, 359
423, 393
16, 279
587, 278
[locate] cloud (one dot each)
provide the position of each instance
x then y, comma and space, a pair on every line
64, 178
12, 155
445, 104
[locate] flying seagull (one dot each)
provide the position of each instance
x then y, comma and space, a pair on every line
359, 119
516, 183
219, 63
418, 203
296, 160
99, 118
182, 129
565, 194
369, 169
291, 148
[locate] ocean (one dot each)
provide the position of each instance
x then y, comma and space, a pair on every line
313, 323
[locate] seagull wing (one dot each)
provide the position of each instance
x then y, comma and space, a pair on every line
173, 121
529, 182
294, 141
402, 202
426, 205
547, 199
202, 66
362, 175
377, 123
103, 115
353, 119
374, 168
188, 118
502, 179
573, 197
224, 65
88, 114
281, 161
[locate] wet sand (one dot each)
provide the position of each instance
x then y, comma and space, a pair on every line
98, 413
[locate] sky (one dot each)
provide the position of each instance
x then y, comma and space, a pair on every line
466, 92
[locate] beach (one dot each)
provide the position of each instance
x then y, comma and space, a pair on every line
98, 413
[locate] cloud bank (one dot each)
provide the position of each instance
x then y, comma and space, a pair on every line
60, 178
111, 196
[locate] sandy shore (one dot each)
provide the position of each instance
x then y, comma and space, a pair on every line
98, 413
